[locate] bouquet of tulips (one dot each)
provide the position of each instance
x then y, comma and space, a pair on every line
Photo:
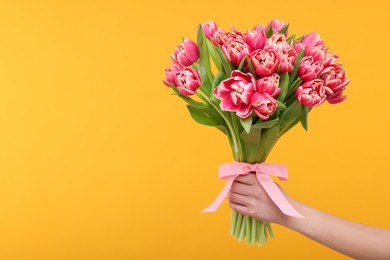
254, 86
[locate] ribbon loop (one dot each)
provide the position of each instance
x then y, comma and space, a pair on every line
230, 171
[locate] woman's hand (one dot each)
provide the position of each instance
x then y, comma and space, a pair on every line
358, 241
248, 197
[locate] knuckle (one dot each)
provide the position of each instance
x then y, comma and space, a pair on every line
251, 212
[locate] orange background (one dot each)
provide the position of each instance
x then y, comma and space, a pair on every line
98, 161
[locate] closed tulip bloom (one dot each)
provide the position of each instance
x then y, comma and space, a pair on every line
269, 85
236, 51
264, 105
171, 72
222, 38
311, 93
187, 81
209, 28
186, 53
264, 62
255, 38
312, 40
334, 77
276, 25
309, 69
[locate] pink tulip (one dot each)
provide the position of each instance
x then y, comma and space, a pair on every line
258, 28
283, 50
236, 51
314, 46
309, 69
334, 77
222, 38
236, 92
287, 60
209, 28
330, 58
187, 81
255, 38
298, 46
170, 73
277, 42
336, 97
312, 40
318, 53
311, 93
264, 62
186, 53
269, 85
276, 25
263, 105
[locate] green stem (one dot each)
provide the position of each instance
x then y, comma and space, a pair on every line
238, 225
234, 222
242, 231
248, 229
254, 230
205, 98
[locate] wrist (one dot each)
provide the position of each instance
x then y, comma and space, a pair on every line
293, 222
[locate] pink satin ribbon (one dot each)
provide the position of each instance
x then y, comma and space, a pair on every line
264, 171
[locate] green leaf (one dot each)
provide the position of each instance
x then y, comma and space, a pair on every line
269, 32
305, 111
291, 38
283, 84
281, 105
300, 38
225, 63
205, 116
218, 79
269, 137
188, 100
293, 73
213, 53
246, 123
204, 62
266, 124
290, 114
293, 87
284, 29
242, 63
250, 65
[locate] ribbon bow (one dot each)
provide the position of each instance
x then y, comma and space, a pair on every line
264, 171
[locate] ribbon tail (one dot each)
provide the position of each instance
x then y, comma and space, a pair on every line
221, 196
277, 196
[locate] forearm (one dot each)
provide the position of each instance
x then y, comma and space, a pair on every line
350, 238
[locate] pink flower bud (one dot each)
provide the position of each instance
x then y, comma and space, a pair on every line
312, 40
255, 38
335, 80
263, 105
269, 85
222, 38
311, 93
186, 53
187, 81
209, 28
334, 77
236, 51
276, 25
236, 92
264, 62
170, 73
309, 69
